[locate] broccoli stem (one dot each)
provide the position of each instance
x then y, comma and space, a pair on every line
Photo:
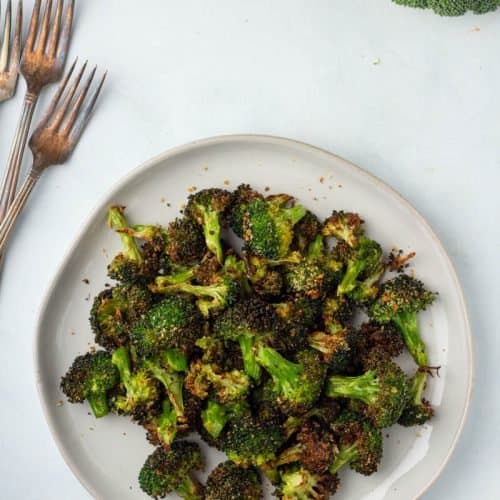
251, 367
348, 283
345, 456
117, 221
121, 359
316, 249
175, 359
290, 455
98, 403
173, 279
284, 373
211, 291
214, 418
364, 387
211, 230
408, 326
417, 387
190, 489
294, 214
167, 423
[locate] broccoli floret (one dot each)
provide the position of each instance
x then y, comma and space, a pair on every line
115, 311
215, 416
268, 226
418, 410
297, 385
222, 293
162, 429
453, 7
90, 378
230, 482
299, 312
249, 442
306, 231
383, 389
384, 337
364, 268
401, 298
298, 483
240, 197
141, 389
227, 386
306, 278
174, 323
337, 312
420, 4
345, 226
168, 471
185, 242
208, 208
359, 443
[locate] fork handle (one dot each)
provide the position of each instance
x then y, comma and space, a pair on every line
17, 206
11, 176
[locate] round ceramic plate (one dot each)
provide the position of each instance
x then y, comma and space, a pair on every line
107, 454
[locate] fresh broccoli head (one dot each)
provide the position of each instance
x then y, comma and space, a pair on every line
383, 389
185, 242
208, 208
230, 482
90, 378
359, 443
418, 410
174, 323
167, 471
115, 311
401, 298
268, 226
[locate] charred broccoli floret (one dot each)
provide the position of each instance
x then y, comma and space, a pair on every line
359, 443
230, 482
215, 416
306, 231
383, 389
268, 226
90, 378
383, 337
115, 311
174, 323
248, 442
208, 208
299, 312
227, 386
400, 300
168, 471
345, 226
185, 242
298, 483
337, 312
306, 278
162, 429
141, 389
418, 410
242, 195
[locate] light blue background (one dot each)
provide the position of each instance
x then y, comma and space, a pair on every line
411, 97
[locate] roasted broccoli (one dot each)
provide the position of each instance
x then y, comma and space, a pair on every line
162, 429
345, 226
114, 311
418, 410
90, 378
305, 232
383, 337
185, 242
401, 298
383, 389
242, 195
230, 482
168, 471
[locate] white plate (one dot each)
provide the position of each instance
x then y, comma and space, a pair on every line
107, 454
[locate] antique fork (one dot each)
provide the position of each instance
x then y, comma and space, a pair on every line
42, 63
9, 56
55, 138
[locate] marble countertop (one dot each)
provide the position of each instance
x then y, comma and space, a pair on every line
407, 95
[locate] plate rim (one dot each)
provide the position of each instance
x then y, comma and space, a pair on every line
255, 138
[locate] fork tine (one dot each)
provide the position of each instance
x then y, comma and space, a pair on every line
61, 112
86, 113
4, 54
73, 114
54, 35
30, 41
16, 46
55, 101
62, 48
44, 33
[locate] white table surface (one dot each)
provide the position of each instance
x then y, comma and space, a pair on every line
407, 95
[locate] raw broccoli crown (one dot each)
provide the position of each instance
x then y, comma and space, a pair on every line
453, 7
230, 482
421, 4
115, 310
400, 295
297, 483
251, 443
173, 323
166, 471
185, 242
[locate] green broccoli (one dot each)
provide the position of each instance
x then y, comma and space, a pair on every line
268, 226
306, 278
208, 208
215, 416
90, 378
162, 429
345, 226
185, 242
383, 389
383, 337
453, 7
115, 310
167, 471
419, 4
174, 323
401, 298
230, 482
418, 410
305, 232
242, 195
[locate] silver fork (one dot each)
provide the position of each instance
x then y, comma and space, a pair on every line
42, 63
9, 56
55, 138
